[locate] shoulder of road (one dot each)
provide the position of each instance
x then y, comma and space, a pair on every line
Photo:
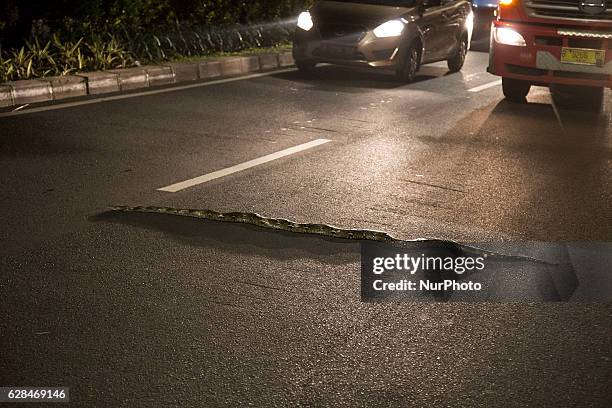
48, 89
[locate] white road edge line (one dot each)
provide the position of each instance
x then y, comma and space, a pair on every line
144, 93
485, 86
243, 166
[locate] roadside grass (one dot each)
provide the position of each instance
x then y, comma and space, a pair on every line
56, 57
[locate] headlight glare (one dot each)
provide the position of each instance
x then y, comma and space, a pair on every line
469, 22
305, 21
508, 36
469, 26
393, 28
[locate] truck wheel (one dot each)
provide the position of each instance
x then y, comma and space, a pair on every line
515, 90
407, 72
594, 98
305, 67
456, 62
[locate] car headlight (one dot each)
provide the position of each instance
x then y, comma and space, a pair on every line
508, 36
391, 28
305, 21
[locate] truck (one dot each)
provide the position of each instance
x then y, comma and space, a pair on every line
562, 44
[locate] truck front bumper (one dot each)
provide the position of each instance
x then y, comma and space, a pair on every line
539, 61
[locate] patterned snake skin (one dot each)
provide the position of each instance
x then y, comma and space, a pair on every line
280, 224
270, 223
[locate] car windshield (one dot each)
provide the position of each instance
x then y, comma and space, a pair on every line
394, 3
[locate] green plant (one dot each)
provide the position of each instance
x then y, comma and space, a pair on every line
108, 54
20, 64
6, 68
69, 56
41, 59
142, 32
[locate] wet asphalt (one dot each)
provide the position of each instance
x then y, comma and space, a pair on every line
152, 310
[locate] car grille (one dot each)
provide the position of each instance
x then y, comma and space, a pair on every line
337, 52
566, 9
342, 32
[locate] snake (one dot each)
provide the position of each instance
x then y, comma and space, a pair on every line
279, 224
325, 230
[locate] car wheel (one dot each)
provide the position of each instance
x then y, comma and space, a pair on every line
407, 72
515, 90
305, 67
456, 62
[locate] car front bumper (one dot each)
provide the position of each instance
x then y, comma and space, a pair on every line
361, 49
539, 62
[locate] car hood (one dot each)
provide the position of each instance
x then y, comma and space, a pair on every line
358, 13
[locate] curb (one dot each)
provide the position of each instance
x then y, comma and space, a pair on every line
67, 86
6, 99
30, 91
118, 80
100, 82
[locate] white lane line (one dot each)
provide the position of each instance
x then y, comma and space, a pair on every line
485, 86
242, 166
144, 93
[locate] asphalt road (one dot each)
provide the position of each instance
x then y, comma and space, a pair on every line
154, 310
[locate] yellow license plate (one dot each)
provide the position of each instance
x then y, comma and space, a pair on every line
583, 56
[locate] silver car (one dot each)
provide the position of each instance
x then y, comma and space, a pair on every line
400, 35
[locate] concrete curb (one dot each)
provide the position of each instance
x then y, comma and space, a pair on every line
268, 62
6, 99
209, 69
116, 80
184, 72
30, 91
285, 59
160, 75
100, 82
131, 78
67, 86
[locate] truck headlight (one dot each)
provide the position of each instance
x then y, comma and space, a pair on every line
508, 36
392, 28
305, 21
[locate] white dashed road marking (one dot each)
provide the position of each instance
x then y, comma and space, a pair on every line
242, 166
485, 86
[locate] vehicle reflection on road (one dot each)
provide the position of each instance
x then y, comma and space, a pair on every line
545, 182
